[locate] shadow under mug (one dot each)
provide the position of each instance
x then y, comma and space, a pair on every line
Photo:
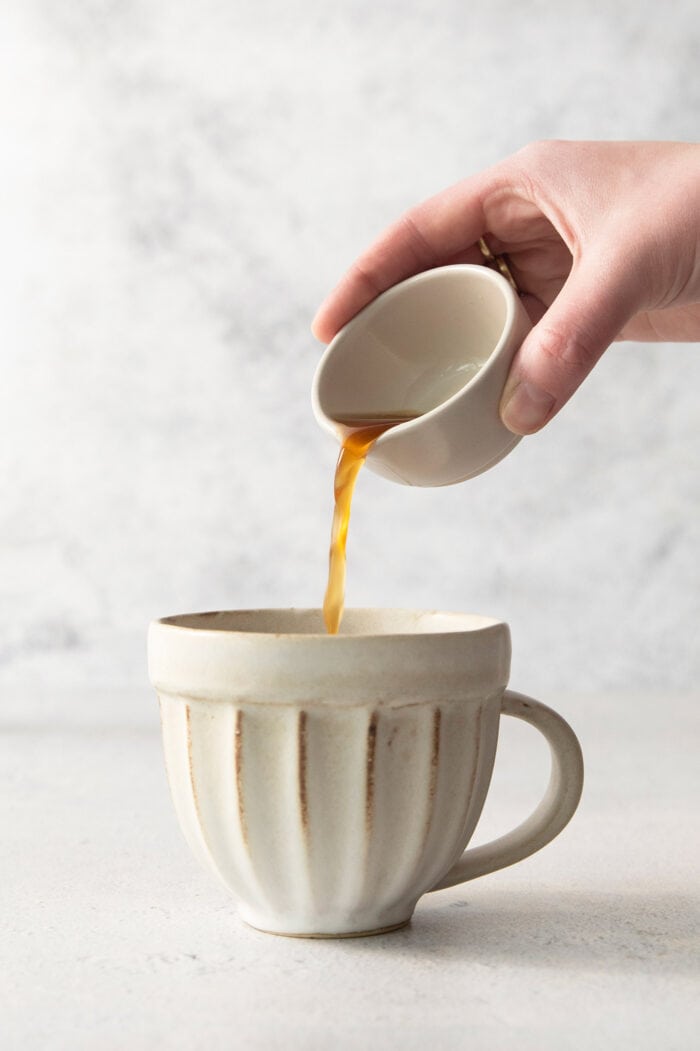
330, 781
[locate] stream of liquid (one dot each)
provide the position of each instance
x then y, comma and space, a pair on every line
362, 433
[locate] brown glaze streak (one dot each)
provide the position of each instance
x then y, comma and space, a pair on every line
434, 764
195, 800
238, 767
476, 754
435, 755
303, 794
189, 758
371, 756
475, 768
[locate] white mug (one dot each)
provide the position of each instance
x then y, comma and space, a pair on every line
330, 781
436, 347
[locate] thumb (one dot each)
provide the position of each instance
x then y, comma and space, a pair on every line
557, 355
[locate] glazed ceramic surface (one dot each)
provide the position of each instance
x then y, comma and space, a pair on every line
330, 781
437, 346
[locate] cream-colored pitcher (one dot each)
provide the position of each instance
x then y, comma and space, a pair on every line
438, 348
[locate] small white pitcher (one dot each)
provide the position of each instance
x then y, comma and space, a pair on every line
436, 347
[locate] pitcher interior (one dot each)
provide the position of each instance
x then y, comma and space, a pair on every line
415, 347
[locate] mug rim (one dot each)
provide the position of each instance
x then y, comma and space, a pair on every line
467, 624
330, 424
262, 667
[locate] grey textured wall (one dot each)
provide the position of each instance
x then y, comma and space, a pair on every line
181, 184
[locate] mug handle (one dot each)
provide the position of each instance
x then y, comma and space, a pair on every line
553, 812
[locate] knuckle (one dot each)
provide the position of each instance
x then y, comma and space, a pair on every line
363, 275
534, 151
568, 352
533, 168
411, 228
541, 155
533, 148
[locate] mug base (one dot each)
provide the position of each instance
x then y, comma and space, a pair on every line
330, 934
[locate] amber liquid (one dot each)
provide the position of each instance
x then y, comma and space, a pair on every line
361, 435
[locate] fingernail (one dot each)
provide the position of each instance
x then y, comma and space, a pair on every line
526, 408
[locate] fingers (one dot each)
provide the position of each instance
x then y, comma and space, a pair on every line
592, 308
427, 235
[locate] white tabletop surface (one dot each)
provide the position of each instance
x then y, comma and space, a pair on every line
114, 938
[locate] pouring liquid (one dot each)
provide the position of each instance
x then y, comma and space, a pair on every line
361, 434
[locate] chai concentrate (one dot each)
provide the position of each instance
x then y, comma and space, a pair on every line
362, 433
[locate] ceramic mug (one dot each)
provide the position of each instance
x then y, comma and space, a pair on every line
437, 347
330, 781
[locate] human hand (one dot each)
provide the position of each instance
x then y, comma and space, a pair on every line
602, 238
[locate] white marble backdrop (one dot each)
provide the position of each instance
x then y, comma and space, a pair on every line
180, 185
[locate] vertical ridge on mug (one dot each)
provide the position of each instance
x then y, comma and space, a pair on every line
201, 760
402, 803
336, 754
468, 769
271, 802
177, 743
